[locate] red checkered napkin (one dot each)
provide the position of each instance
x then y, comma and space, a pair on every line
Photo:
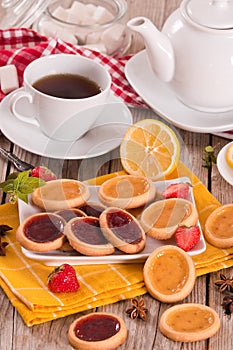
22, 46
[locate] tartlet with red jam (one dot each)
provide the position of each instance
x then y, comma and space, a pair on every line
97, 330
71, 213
122, 230
41, 232
85, 236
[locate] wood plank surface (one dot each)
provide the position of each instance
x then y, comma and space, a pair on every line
14, 335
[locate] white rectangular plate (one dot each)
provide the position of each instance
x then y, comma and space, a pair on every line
57, 257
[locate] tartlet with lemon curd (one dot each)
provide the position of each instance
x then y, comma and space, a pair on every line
219, 227
169, 274
189, 322
161, 219
41, 232
127, 191
61, 194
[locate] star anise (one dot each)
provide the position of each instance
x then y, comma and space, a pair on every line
138, 309
224, 283
227, 304
4, 229
2, 247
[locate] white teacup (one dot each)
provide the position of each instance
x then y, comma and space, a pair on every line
65, 119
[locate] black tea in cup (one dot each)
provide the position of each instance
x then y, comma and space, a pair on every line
69, 86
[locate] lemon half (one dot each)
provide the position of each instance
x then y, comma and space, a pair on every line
149, 148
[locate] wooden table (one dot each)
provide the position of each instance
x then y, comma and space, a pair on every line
14, 335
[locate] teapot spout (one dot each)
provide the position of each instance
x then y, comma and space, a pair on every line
158, 47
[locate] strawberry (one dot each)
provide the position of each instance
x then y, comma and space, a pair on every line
43, 173
187, 237
177, 190
63, 279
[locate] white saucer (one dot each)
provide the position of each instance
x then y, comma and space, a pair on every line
225, 170
106, 134
163, 101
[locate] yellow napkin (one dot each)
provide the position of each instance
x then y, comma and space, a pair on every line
25, 281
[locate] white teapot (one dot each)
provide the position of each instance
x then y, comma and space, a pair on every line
194, 52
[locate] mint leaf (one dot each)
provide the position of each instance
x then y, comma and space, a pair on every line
20, 185
13, 175
7, 186
23, 197
35, 182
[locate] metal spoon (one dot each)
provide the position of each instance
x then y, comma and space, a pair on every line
19, 164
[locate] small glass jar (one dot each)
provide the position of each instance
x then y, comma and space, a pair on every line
96, 24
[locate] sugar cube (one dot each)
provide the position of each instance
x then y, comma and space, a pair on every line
9, 78
90, 9
102, 15
97, 47
61, 13
76, 12
113, 38
93, 38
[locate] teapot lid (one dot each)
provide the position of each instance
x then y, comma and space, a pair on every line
216, 14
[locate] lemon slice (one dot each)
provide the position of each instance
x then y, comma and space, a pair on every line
229, 155
149, 148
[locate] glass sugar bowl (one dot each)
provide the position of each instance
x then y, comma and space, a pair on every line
96, 24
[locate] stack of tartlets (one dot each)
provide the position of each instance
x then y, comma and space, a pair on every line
92, 229
100, 228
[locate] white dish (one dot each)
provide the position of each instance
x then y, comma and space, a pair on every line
56, 257
225, 170
162, 100
105, 135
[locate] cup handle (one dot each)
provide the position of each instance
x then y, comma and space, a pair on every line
13, 105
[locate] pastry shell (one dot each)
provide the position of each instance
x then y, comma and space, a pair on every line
61, 194
219, 227
127, 191
110, 343
82, 246
46, 245
191, 315
161, 219
169, 274
126, 244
